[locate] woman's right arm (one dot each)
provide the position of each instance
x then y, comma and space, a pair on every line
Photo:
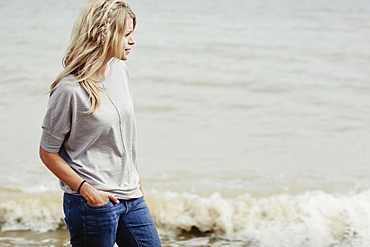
64, 172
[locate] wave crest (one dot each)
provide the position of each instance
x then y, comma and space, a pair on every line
314, 218
37, 213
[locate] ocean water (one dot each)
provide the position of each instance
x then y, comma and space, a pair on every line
253, 120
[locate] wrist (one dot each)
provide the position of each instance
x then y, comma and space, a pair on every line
79, 187
86, 190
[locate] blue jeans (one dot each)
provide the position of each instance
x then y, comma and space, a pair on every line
128, 223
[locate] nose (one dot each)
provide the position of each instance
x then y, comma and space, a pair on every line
131, 41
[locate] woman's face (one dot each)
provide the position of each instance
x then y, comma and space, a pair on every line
128, 39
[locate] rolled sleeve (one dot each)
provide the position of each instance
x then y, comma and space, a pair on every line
49, 142
58, 119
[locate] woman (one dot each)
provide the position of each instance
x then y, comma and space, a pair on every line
89, 133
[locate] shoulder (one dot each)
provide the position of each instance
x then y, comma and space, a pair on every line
67, 85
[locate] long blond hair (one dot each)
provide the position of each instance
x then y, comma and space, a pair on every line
97, 34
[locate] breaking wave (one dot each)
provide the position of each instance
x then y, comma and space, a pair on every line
312, 219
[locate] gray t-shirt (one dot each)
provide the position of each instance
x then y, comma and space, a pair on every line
100, 147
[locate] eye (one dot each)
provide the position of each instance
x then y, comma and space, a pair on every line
128, 34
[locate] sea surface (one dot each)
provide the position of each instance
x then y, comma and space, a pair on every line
253, 120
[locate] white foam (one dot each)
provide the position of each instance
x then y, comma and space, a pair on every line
312, 219
38, 213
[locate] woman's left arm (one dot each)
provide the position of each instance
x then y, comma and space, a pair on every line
140, 183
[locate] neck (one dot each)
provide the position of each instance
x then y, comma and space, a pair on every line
103, 71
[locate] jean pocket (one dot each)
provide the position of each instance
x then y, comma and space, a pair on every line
109, 203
